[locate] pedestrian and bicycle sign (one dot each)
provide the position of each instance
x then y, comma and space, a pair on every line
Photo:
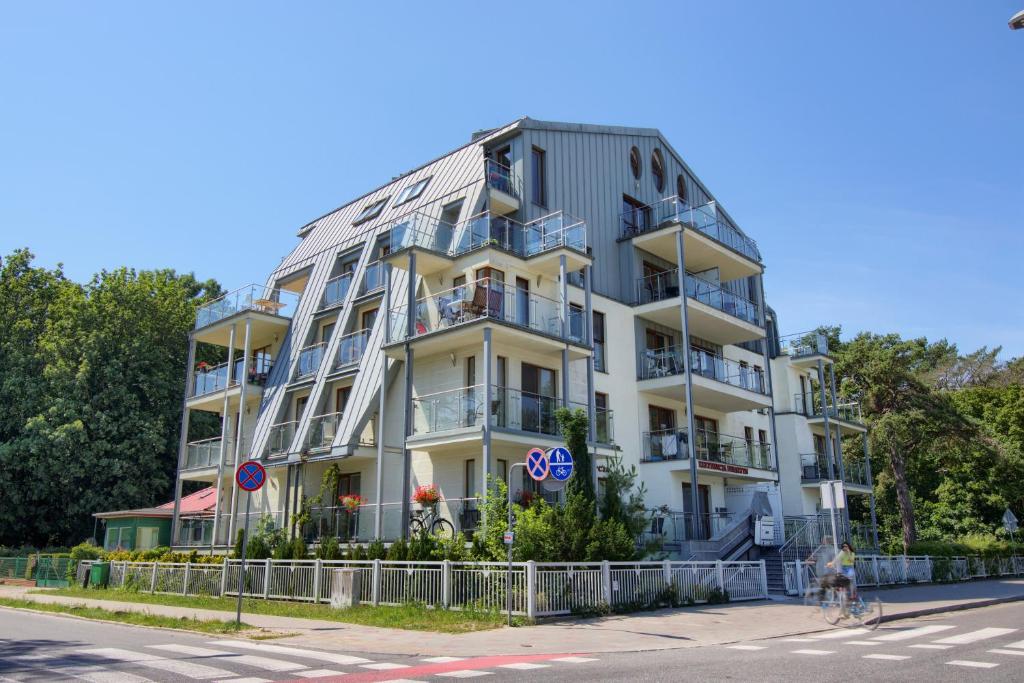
537, 464
250, 476
560, 463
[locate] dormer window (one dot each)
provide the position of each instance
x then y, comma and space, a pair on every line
371, 211
412, 191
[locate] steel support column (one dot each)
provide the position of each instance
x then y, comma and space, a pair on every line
182, 439
485, 467
225, 431
410, 327
240, 436
588, 311
564, 315
691, 435
829, 455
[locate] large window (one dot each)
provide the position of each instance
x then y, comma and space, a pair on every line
371, 211
658, 169
147, 537
412, 191
635, 165
600, 356
539, 180
681, 186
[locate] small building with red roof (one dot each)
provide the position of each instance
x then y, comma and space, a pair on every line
145, 528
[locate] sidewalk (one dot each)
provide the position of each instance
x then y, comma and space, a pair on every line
659, 630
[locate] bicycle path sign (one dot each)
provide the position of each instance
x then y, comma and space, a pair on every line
537, 464
560, 463
250, 476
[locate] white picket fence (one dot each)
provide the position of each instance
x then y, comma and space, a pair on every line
888, 570
538, 588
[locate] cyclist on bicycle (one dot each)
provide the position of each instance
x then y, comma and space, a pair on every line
846, 564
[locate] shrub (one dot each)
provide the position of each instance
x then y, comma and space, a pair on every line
376, 550
329, 549
399, 551
86, 551
939, 549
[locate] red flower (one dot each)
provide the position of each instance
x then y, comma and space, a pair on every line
351, 501
426, 495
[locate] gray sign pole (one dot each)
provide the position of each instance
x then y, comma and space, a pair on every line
241, 570
508, 580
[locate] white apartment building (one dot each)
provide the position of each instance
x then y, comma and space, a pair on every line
426, 332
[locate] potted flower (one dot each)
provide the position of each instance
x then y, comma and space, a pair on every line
203, 366
351, 501
427, 495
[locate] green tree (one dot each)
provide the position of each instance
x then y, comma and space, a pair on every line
574, 427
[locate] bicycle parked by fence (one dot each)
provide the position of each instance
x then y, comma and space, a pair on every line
428, 519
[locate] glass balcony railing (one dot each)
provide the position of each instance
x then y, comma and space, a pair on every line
706, 219
671, 444
809, 404
814, 467
277, 302
804, 344
206, 453
502, 178
337, 288
667, 362
280, 438
485, 298
464, 407
322, 430
351, 348
208, 379
309, 360
665, 285
373, 278
549, 232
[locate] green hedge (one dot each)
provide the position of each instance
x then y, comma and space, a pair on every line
983, 546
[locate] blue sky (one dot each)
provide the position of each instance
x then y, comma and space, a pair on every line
873, 149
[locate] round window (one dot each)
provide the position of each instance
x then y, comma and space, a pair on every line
681, 186
658, 170
634, 162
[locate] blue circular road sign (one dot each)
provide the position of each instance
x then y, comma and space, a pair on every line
537, 464
250, 476
560, 463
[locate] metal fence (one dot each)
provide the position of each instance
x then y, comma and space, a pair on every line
538, 588
45, 571
888, 570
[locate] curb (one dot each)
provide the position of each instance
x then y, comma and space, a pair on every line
913, 614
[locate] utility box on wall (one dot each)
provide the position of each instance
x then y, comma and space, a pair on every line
346, 588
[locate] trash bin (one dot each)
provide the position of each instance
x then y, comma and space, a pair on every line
99, 574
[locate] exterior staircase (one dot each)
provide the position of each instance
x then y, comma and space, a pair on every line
773, 568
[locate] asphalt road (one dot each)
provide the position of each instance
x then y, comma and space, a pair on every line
976, 645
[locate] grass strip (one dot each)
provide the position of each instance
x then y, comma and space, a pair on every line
412, 617
134, 618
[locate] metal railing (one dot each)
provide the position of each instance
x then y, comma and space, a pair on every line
280, 438
373, 278
309, 360
814, 467
672, 444
665, 285
351, 348
537, 588
336, 289
206, 453
464, 407
209, 380
676, 527
667, 362
484, 298
277, 302
705, 219
809, 404
558, 229
322, 430
502, 178
803, 344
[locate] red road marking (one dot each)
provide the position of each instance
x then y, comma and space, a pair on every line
431, 669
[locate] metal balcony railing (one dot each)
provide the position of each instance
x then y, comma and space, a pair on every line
322, 430
351, 348
207, 380
706, 219
336, 289
655, 363
206, 453
277, 302
502, 178
803, 344
665, 285
671, 444
309, 360
674, 526
373, 278
814, 467
809, 404
280, 438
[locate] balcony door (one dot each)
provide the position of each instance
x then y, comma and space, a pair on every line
697, 526
538, 401
348, 522
707, 441
522, 302
662, 425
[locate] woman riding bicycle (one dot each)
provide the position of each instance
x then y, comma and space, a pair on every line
846, 564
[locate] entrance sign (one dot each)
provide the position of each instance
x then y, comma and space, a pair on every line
561, 463
250, 476
537, 464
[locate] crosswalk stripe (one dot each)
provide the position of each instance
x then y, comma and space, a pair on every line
931, 646
245, 680
465, 673
254, 661
912, 633
894, 658
331, 657
574, 660
524, 666
842, 634
1019, 643
976, 665
1019, 653
814, 652
318, 673
748, 647
100, 674
187, 669
975, 636
860, 642
798, 640
384, 666
442, 660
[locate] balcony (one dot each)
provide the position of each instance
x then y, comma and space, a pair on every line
280, 439
336, 290
718, 383
847, 415
205, 454
373, 279
675, 527
209, 381
504, 187
351, 348
714, 313
272, 309
438, 243
309, 360
322, 430
814, 469
709, 239
805, 349
515, 312
729, 455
